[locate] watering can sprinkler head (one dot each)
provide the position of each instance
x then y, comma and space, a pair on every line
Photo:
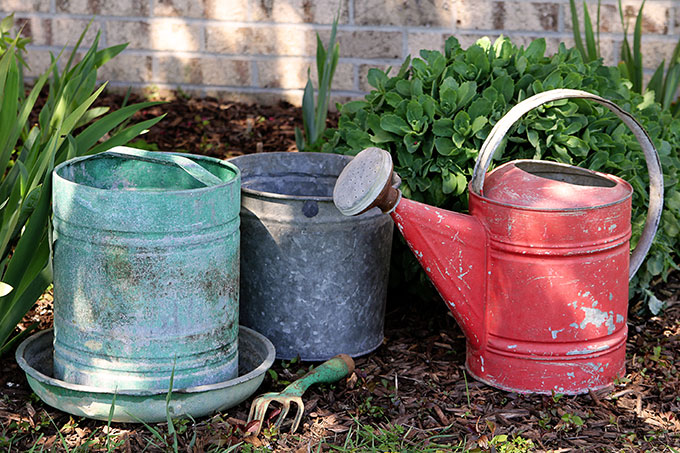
366, 182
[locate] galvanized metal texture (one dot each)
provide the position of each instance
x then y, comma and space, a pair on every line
34, 356
328, 372
655, 208
146, 270
312, 280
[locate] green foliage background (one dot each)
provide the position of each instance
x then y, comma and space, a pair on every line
434, 114
68, 126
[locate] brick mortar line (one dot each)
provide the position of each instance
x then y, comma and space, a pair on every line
202, 39
236, 57
670, 23
212, 22
155, 70
254, 73
239, 89
560, 20
355, 76
261, 57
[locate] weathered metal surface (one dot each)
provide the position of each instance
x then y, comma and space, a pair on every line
312, 280
146, 271
537, 275
34, 356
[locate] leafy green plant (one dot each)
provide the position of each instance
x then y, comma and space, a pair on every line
571, 422
67, 126
434, 114
518, 444
664, 83
314, 115
591, 51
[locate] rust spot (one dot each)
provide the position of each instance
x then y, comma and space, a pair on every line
219, 282
129, 269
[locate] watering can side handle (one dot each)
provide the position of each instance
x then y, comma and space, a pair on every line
653, 164
195, 170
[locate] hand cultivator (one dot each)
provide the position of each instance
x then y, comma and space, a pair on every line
330, 371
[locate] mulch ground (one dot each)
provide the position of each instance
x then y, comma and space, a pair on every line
416, 379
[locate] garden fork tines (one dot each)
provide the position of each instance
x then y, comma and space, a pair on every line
330, 371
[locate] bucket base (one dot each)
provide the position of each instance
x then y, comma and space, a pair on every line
34, 356
575, 372
321, 356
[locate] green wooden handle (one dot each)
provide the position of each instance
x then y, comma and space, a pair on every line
195, 170
330, 371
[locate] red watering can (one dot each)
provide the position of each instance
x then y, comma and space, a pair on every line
537, 275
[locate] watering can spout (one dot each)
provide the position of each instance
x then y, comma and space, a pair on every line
451, 247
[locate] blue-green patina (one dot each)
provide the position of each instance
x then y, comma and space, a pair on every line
146, 270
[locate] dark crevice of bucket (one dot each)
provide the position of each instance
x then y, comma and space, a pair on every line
294, 184
573, 175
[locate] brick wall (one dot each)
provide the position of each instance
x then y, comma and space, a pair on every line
259, 50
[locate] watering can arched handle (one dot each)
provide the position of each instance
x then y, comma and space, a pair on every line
498, 132
195, 170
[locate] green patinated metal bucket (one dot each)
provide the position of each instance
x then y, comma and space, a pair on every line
146, 270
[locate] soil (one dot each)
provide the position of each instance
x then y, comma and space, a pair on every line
414, 386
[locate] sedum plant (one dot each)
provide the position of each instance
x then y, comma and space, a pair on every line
434, 114
67, 126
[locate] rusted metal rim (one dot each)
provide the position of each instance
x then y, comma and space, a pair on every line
245, 334
235, 178
497, 134
612, 178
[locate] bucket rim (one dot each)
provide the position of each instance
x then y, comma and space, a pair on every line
618, 181
236, 179
396, 179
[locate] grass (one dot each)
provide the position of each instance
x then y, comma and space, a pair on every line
362, 437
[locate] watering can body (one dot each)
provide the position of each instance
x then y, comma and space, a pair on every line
537, 274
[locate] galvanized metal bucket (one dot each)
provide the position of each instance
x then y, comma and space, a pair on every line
312, 280
146, 269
